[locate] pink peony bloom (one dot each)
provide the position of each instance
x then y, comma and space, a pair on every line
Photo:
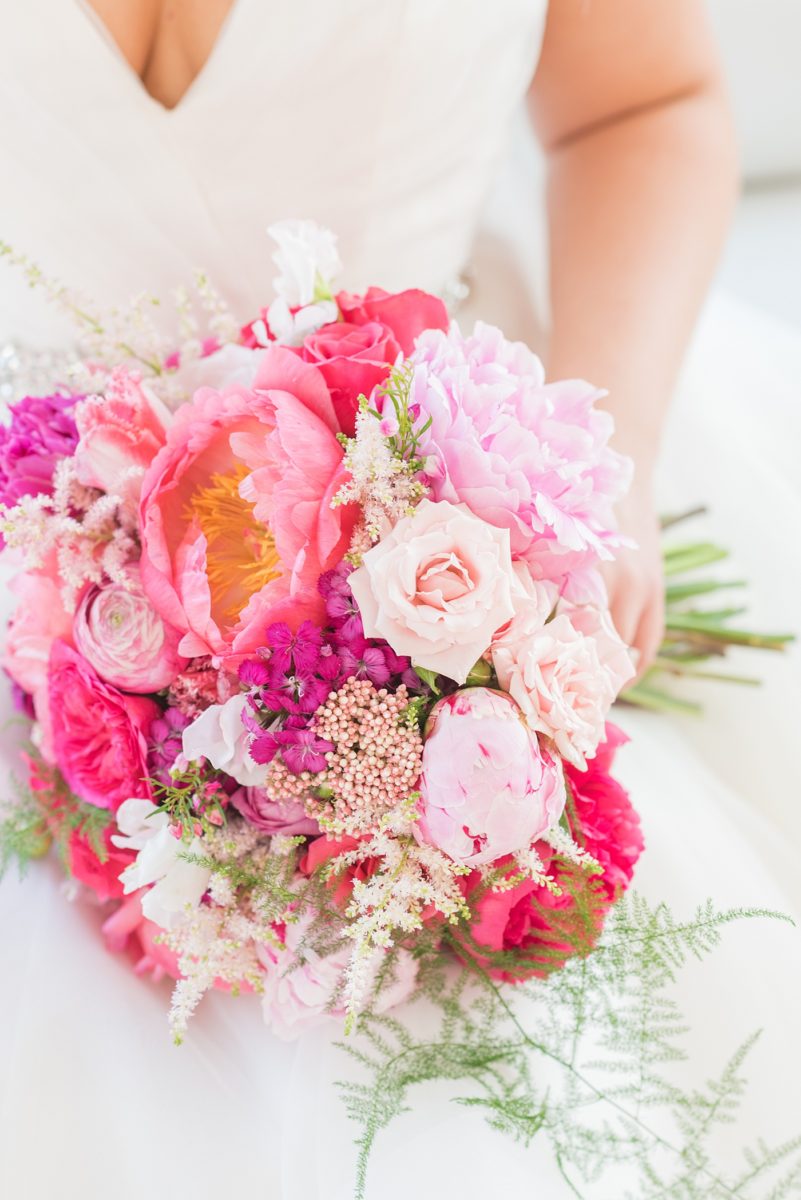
437, 587
524, 455
236, 519
119, 632
487, 788
404, 314
542, 929
300, 985
565, 675
285, 817
120, 433
98, 734
38, 620
353, 359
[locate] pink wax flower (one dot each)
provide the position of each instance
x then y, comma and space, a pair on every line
353, 359
404, 314
524, 455
543, 929
437, 587
487, 788
565, 675
301, 985
120, 434
236, 519
120, 633
99, 735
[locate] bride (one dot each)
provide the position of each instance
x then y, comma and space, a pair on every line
140, 139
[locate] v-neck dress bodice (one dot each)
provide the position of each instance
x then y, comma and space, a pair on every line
382, 120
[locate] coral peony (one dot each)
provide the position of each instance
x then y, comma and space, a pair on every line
99, 735
236, 519
487, 787
524, 455
541, 929
119, 632
437, 587
565, 675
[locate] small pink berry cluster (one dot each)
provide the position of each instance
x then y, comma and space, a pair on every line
374, 766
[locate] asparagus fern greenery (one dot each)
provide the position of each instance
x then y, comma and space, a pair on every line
697, 635
583, 1062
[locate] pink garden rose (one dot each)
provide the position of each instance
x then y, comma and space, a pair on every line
565, 675
437, 587
120, 433
543, 929
300, 985
404, 314
488, 789
236, 516
119, 632
353, 359
98, 734
524, 455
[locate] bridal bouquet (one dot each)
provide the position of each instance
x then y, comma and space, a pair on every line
320, 660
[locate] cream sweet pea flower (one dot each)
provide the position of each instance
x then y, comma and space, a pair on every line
219, 735
306, 258
174, 885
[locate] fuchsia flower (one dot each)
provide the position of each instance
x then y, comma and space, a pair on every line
487, 789
237, 524
40, 433
523, 455
99, 735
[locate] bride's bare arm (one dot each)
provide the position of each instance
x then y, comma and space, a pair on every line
628, 103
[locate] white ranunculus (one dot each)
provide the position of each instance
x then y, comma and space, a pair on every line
306, 256
219, 735
174, 885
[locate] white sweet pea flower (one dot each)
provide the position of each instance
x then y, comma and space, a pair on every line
174, 885
219, 735
307, 259
290, 326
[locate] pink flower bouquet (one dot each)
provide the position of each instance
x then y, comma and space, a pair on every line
316, 650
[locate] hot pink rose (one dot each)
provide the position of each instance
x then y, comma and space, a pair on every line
542, 929
98, 734
121, 635
102, 877
405, 314
236, 516
437, 587
353, 359
565, 675
487, 789
120, 434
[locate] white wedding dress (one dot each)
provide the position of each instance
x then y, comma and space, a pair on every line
385, 121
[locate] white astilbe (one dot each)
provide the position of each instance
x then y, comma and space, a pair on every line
561, 841
385, 485
90, 532
411, 879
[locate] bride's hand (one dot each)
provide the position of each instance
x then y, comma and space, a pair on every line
636, 580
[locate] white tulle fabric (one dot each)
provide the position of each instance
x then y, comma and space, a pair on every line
384, 121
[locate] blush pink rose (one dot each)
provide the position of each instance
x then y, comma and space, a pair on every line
121, 635
120, 433
353, 359
99, 735
405, 314
565, 675
38, 620
437, 587
236, 516
488, 788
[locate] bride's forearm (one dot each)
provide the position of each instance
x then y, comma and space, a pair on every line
638, 208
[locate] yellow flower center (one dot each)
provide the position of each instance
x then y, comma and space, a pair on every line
240, 552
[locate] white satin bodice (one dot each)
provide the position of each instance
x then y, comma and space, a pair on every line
382, 119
